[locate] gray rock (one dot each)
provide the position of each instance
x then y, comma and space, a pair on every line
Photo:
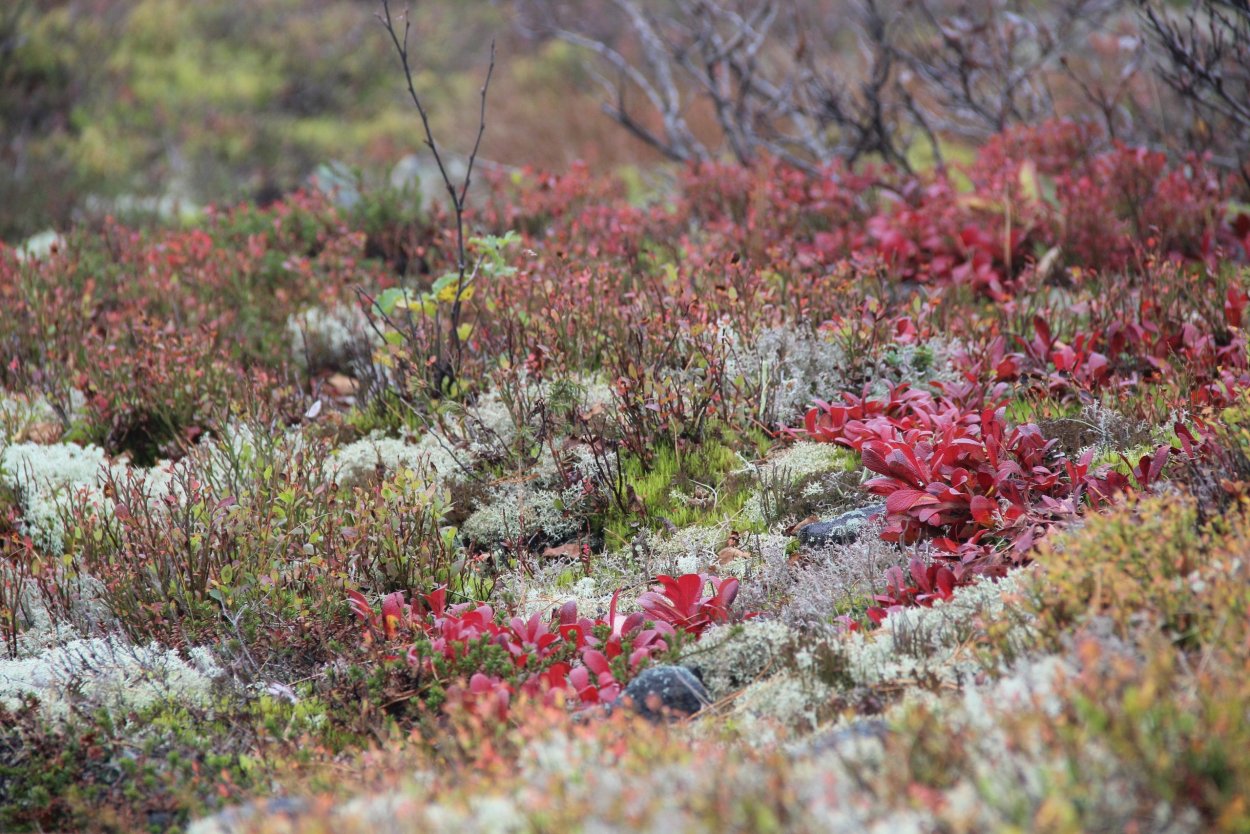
841, 530
665, 692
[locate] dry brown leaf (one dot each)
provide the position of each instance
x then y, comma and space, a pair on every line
41, 433
343, 385
572, 550
731, 554
799, 525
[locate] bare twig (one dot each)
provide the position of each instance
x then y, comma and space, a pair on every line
446, 366
771, 75
1206, 61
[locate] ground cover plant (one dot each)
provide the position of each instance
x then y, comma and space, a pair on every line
923, 483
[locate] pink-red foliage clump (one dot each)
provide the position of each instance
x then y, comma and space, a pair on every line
581, 659
955, 474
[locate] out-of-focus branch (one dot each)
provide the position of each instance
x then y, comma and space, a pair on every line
1206, 61
445, 364
776, 78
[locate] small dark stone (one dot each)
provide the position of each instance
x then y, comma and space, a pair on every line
666, 692
841, 530
161, 820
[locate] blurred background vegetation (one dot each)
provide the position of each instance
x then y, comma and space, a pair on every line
153, 107
195, 102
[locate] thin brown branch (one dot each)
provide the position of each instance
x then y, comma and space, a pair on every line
445, 367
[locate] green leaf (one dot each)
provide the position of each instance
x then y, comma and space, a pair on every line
1028, 182
446, 281
388, 299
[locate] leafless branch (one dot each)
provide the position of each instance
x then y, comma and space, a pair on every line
446, 366
671, 145
1206, 61
777, 81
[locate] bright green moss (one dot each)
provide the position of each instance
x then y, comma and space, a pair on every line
702, 483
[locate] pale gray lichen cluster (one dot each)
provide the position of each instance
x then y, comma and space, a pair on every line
46, 478
357, 463
518, 512
547, 500
791, 366
18, 412
801, 477
731, 657
52, 480
929, 643
784, 682
86, 674
330, 339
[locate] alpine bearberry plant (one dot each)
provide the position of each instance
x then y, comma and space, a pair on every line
478, 659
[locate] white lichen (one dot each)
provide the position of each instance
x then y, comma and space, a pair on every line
46, 478
792, 366
334, 339
516, 512
19, 413
40, 246
730, 657
358, 463
800, 478
929, 643
804, 459
85, 674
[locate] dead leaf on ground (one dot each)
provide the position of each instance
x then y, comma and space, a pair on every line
343, 385
731, 554
572, 550
42, 434
799, 525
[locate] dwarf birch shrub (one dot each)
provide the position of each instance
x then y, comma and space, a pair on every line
250, 532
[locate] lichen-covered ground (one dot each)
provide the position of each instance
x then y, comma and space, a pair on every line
291, 543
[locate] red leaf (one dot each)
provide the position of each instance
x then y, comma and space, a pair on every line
1042, 329
983, 510
920, 574
1160, 460
392, 614
872, 454
360, 605
903, 500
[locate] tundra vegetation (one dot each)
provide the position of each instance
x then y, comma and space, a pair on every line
358, 505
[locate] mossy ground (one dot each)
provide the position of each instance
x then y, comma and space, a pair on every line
643, 362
